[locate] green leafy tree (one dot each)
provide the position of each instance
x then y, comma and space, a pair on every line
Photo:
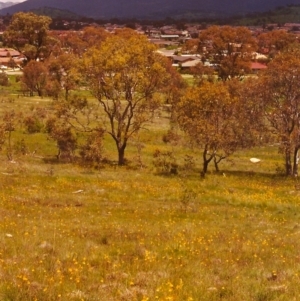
77, 115
93, 36
77, 42
275, 41
191, 45
29, 33
64, 136
63, 72
279, 92
125, 75
229, 48
217, 120
34, 77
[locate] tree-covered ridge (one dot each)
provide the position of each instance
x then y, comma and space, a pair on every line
56, 13
151, 9
279, 15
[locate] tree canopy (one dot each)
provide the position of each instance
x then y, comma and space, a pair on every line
35, 77
229, 48
279, 92
130, 80
275, 41
29, 33
125, 75
218, 120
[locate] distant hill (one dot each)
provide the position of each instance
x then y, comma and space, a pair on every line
279, 15
154, 9
6, 4
56, 13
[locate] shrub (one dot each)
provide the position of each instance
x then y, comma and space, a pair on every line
33, 124
92, 151
65, 138
165, 162
20, 147
4, 79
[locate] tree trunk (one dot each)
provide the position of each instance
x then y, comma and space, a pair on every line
9, 149
295, 161
216, 162
288, 164
121, 154
205, 162
205, 168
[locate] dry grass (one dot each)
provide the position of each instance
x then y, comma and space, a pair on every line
74, 233
131, 235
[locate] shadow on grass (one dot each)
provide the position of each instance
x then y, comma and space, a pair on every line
246, 174
56, 161
223, 173
75, 160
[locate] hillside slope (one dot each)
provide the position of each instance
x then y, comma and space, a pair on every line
6, 4
147, 8
280, 15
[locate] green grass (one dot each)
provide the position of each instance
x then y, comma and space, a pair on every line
127, 233
189, 79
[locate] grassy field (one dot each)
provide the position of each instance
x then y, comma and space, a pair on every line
128, 233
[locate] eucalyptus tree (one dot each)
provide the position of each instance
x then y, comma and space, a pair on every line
279, 92
230, 49
126, 75
218, 120
275, 41
29, 33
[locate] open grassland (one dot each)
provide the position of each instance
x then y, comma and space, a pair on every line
128, 233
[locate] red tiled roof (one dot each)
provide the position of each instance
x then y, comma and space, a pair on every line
5, 52
258, 66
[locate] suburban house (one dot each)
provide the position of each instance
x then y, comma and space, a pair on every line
181, 61
256, 67
10, 58
163, 42
190, 64
185, 60
169, 37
